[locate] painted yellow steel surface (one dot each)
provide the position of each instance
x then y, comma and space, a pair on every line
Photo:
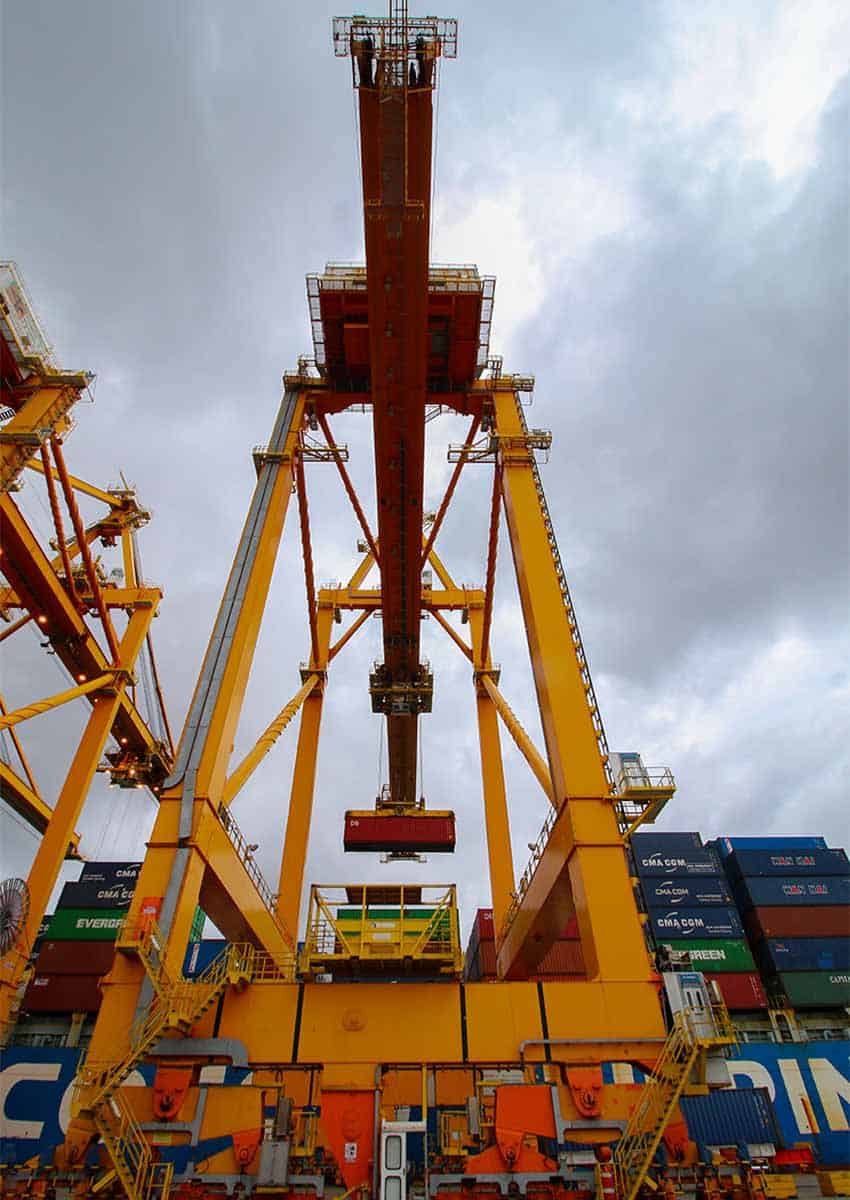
499, 1017
371, 1023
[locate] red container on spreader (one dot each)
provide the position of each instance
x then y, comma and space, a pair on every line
741, 990
62, 994
72, 958
434, 832
798, 921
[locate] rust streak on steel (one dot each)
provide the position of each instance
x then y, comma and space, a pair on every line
349, 487
446, 501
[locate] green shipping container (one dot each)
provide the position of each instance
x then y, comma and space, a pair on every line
86, 924
816, 989
714, 955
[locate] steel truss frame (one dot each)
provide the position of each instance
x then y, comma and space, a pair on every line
59, 593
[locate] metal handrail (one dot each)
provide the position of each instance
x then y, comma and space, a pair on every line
246, 856
537, 848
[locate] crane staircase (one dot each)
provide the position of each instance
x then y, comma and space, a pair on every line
178, 1004
694, 1032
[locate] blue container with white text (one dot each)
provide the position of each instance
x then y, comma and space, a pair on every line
672, 923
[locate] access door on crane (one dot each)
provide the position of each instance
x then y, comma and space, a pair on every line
394, 1157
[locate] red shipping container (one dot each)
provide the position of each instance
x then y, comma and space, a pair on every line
798, 921
62, 994
484, 924
485, 960
740, 990
434, 832
563, 958
70, 958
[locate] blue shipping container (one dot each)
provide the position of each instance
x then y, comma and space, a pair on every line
671, 923
766, 892
745, 864
654, 861
90, 894
804, 954
688, 891
726, 846
110, 872
730, 1117
199, 955
665, 843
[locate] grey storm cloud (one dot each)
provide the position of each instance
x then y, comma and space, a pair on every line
678, 287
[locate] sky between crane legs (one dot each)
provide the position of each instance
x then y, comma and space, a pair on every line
661, 190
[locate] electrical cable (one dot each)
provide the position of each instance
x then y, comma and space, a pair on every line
14, 817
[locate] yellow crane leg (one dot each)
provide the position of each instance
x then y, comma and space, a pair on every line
496, 819
60, 830
583, 866
294, 856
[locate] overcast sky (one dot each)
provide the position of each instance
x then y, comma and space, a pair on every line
661, 190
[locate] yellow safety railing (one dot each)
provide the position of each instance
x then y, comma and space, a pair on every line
177, 1005
693, 1032
141, 1177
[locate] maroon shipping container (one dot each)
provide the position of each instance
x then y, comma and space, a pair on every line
434, 832
798, 921
740, 989
72, 958
62, 994
563, 958
485, 960
485, 925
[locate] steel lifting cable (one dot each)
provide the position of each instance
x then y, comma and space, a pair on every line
138, 568
492, 547
59, 526
309, 580
85, 550
349, 487
446, 501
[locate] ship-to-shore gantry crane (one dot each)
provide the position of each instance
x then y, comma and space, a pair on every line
361, 1059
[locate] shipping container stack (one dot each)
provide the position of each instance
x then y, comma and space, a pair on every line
690, 911
793, 895
77, 949
562, 961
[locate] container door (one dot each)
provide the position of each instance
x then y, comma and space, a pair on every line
393, 1166
695, 997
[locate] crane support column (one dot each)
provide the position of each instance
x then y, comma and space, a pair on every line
294, 857
53, 846
497, 823
582, 868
